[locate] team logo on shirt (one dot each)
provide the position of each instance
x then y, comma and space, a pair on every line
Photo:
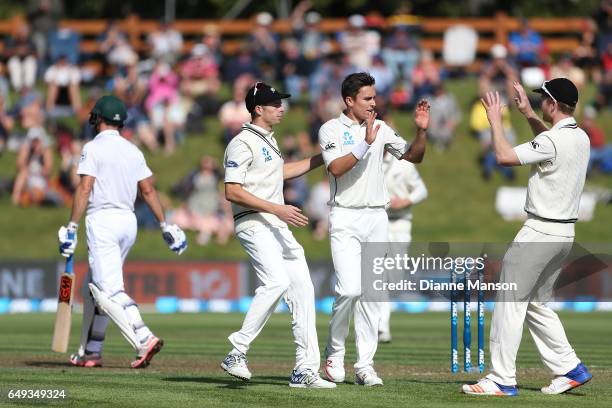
266, 154
347, 139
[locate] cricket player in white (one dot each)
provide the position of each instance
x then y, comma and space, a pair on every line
406, 188
353, 146
112, 171
254, 174
558, 157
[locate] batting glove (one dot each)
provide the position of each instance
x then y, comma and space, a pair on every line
175, 237
67, 239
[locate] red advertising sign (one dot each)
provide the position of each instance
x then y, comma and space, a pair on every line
145, 281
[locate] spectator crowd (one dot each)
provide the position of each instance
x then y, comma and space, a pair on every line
48, 85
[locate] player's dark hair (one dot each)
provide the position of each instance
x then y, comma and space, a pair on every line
354, 82
563, 107
566, 109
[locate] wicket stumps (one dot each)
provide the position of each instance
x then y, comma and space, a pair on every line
467, 323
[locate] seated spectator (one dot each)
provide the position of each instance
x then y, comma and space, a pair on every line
163, 104
444, 118
200, 82
317, 209
7, 123
114, 48
206, 210
401, 51
65, 43
212, 40
479, 125
34, 165
63, 81
166, 43
137, 127
242, 63
358, 43
29, 108
603, 99
233, 114
382, 75
499, 73
425, 76
526, 46
601, 153
313, 44
69, 149
265, 45
291, 72
585, 54
87, 132
22, 61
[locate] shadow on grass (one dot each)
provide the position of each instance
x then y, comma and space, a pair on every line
231, 382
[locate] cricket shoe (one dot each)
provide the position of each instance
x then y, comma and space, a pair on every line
86, 360
490, 387
307, 378
384, 337
334, 370
150, 348
235, 364
368, 378
573, 379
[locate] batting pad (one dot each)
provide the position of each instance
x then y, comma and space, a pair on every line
114, 307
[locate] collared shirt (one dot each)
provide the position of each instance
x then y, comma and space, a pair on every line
403, 181
558, 159
118, 165
363, 185
253, 159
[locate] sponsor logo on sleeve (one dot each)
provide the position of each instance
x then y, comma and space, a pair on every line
535, 144
83, 156
329, 146
231, 163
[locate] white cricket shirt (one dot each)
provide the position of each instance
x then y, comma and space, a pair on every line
118, 165
253, 159
363, 185
404, 181
559, 158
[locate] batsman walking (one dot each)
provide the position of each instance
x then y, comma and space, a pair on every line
558, 158
113, 171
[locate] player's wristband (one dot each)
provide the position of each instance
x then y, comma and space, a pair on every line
162, 225
360, 150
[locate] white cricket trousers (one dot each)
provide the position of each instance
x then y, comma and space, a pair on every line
399, 241
110, 236
534, 261
348, 229
280, 265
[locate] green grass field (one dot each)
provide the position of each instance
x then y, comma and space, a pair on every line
415, 367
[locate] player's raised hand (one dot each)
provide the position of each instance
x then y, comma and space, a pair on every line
291, 215
493, 105
521, 100
421, 115
371, 130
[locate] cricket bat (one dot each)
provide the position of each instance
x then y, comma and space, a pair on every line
63, 316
